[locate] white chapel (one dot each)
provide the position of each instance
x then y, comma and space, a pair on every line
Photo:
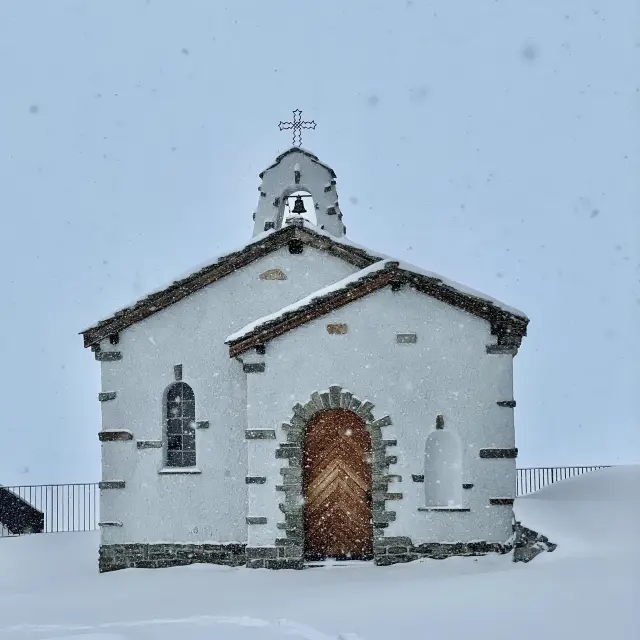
306, 398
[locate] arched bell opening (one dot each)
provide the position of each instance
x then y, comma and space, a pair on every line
298, 204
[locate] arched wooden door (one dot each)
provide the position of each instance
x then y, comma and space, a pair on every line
337, 487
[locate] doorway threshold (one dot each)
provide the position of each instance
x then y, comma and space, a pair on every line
336, 564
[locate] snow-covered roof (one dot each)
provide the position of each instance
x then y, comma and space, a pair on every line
507, 325
463, 289
263, 244
418, 270
357, 277
191, 282
204, 266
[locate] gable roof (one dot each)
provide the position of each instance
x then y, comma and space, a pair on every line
309, 155
260, 246
507, 325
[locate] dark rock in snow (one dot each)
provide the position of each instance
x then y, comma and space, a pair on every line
529, 543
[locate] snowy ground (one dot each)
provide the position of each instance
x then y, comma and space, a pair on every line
589, 588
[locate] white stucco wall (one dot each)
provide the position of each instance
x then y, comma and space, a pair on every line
279, 182
447, 371
4, 531
210, 506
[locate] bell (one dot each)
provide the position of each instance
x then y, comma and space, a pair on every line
298, 207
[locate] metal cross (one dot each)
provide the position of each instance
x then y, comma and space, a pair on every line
297, 125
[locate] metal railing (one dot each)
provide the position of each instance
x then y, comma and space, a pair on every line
75, 507
64, 507
532, 479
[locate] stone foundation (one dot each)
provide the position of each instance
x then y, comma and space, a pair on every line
393, 550
387, 551
529, 543
156, 556
286, 557
526, 545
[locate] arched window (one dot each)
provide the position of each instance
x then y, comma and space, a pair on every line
443, 470
181, 423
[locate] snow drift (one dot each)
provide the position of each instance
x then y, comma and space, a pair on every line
587, 589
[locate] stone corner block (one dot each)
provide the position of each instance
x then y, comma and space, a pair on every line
111, 484
499, 453
115, 435
260, 434
502, 349
254, 367
385, 421
107, 356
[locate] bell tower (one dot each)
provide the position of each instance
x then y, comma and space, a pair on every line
299, 173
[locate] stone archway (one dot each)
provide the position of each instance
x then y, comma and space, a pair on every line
292, 545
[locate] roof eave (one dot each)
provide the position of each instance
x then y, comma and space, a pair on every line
218, 270
185, 287
508, 327
316, 309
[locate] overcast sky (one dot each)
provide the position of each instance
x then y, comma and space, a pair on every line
495, 142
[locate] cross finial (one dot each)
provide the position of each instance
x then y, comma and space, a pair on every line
297, 125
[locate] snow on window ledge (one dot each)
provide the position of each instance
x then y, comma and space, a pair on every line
444, 509
178, 470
